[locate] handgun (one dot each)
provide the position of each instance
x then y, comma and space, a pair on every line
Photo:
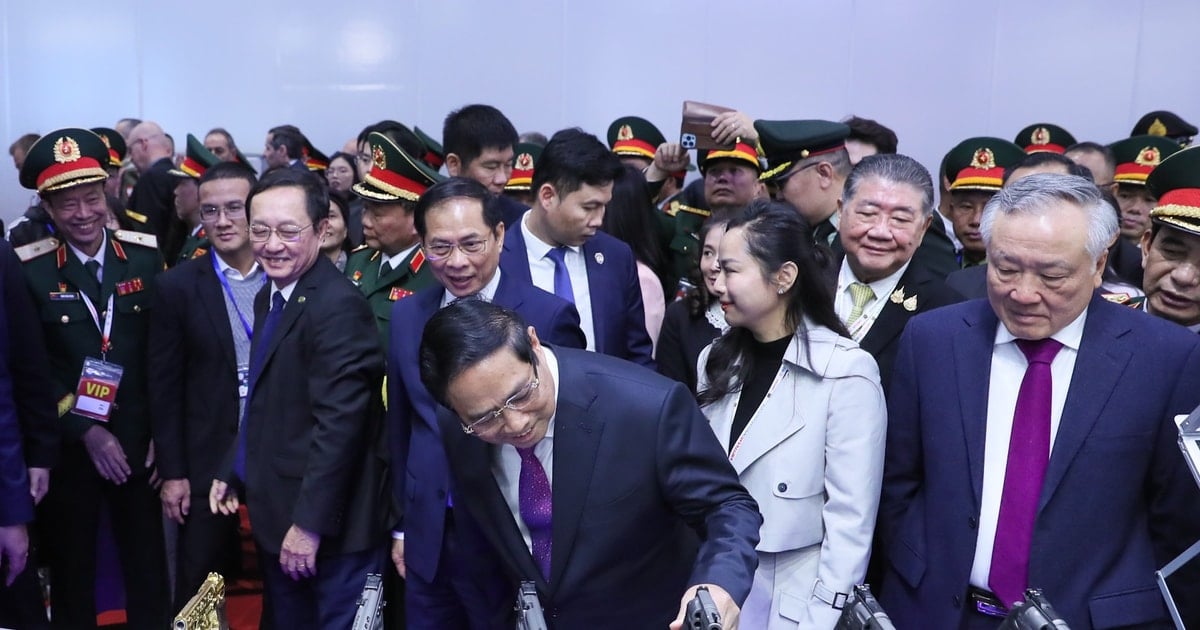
529, 608
862, 612
702, 613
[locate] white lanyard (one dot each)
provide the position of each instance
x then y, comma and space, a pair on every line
783, 370
106, 329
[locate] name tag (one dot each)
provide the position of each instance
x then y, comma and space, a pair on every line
96, 394
64, 296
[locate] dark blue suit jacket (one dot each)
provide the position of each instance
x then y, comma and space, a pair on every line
618, 317
637, 470
420, 473
1117, 503
20, 349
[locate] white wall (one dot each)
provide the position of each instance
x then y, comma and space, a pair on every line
936, 71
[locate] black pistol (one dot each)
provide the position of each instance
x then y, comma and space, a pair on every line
862, 612
370, 605
702, 613
1035, 613
529, 608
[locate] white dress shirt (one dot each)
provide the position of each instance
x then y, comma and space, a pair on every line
487, 293
541, 272
506, 461
843, 300
1008, 370
286, 291
99, 258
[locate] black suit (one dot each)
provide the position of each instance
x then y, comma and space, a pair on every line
152, 205
194, 392
314, 450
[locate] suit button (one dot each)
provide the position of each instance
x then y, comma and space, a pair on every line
972, 522
781, 487
137, 308
957, 601
66, 319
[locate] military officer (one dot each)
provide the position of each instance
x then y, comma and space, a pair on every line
807, 163
435, 154
93, 290
1167, 125
975, 169
1171, 247
1044, 137
390, 265
1136, 158
525, 158
187, 197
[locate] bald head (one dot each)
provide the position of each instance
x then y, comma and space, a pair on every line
147, 145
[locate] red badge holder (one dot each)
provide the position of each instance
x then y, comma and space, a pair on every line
96, 395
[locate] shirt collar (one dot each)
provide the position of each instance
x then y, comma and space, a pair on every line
487, 293
99, 257
882, 287
399, 258
536, 247
1070, 336
552, 368
286, 291
228, 271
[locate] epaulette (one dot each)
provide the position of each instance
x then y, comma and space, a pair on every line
37, 248
136, 238
360, 248
137, 216
1125, 299
697, 211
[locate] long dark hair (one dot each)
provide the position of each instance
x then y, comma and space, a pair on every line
698, 298
630, 217
775, 234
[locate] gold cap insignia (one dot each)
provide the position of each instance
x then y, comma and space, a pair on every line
1041, 135
983, 158
66, 150
625, 133
525, 162
378, 158
1157, 128
1149, 156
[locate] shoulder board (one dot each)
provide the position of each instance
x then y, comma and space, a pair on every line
360, 248
136, 238
698, 211
672, 208
1116, 298
37, 248
136, 216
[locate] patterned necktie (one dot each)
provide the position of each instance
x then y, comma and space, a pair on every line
562, 279
861, 294
534, 499
1028, 457
257, 356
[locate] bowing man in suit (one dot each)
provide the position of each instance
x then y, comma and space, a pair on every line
883, 215
303, 459
1030, 436
462, 234
596, 478
560, 248
201, 326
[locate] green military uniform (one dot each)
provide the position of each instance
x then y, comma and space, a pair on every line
1138, 156
435, 154
395, 178
1167, 125
316, 161
788, 142
636, 137
978, 164
1044, 138
197, 160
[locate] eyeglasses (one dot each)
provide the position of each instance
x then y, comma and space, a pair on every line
260, 233
516, 402
438, 251
233, 211
780, 180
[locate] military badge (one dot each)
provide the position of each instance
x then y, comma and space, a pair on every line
983, 158
1157, 128
625, 133
66, 150
357, 276
1149, 156
1041, 135
133, 285
398, 294
378, 158
524, 162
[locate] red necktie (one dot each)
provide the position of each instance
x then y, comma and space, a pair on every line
1028, 456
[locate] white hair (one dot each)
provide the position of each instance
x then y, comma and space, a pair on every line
1037, 195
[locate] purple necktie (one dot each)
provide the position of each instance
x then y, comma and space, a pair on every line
1028, 456
562, 278
534, 499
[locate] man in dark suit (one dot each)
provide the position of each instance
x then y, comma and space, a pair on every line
152, 204
305, 457
598, 480
202, 323
479, 143
284, 148
93, 291
559, 247
1030, 436
462, 234
883, 217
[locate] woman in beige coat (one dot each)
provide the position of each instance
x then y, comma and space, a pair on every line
799, 409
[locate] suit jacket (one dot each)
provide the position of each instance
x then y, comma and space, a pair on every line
28, 366
812, 457
635, 466
152, 203
193, 374
618, 319
969, 282
312, 419
883, 338
511, 210
420, 473
1117, 502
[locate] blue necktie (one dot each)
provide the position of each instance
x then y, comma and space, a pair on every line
562, 279
257, 355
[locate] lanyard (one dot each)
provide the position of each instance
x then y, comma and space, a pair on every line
737, 446
228, 291
106, 329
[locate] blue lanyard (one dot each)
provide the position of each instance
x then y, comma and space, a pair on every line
228, 291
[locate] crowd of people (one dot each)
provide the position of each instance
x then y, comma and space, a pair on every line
506, 358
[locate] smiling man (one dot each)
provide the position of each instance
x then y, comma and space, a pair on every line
304, 459
560, 248
462, 235
883, 215
1017, 424
94, 289
599, 481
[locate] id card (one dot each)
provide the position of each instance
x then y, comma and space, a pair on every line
243, 376
96, 395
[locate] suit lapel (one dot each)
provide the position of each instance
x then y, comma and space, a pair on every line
291, 311
515, 259
601, 293
763, 433
370, 275
212, 299
973, 367
576, 439
115, 269
893, 317
507, 294
1099, 364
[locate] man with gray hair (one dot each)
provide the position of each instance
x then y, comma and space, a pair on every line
152, 203
883, 214
1030, 436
